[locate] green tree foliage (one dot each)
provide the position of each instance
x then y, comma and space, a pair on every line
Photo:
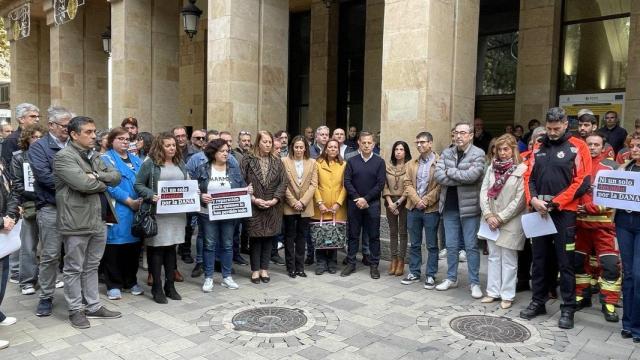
4, 52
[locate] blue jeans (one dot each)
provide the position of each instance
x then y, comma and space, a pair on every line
453, 224
628, 234
4, 278
418, 222
215, 233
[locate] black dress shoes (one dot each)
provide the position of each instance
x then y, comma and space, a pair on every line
375, 274
532, 311
301, 274
348, 270
566, 319
626, 334
292, 274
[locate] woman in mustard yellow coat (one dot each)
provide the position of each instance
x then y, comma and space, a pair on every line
330, 199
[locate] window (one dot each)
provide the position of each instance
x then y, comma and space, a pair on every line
498, 63
4, 93
595, 45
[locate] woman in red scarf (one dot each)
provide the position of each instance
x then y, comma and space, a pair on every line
502, 203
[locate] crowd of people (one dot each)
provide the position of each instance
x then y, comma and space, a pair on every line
84, 188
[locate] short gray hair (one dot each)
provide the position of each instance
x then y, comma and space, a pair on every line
322, 127
537, 132
55, 113
23, 108
556, 114
465, 123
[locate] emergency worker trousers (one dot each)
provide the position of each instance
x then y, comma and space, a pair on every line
563, 245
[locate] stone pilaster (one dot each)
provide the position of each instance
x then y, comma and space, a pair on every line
538, 54
373, 65
79, 79
30, 67
131, 61
323, 64
166, 28
67, 64
632, 99
428, 67
193, 74
247, 64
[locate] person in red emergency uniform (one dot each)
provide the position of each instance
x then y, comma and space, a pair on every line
558, 175
596, 233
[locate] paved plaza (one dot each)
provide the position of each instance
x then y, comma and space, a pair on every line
320, 317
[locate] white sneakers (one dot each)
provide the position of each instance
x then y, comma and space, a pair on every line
476, 292
462, 256
442, 254
208, 285
446, 285
59, 284
226, 282
229, 283
28, 290
430, 283
8, 321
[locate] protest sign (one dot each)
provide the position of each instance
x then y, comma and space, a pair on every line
230, 204
617, 189
178, 196
28, 177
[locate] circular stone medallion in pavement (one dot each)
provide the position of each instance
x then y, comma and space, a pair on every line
490, 328
492, 332
269, 320
269, 323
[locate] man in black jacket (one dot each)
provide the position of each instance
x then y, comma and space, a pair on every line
364, 179
616, 135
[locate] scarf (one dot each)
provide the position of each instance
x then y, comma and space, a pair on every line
502, 170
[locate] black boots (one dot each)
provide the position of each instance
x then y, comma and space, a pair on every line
566, 319
533, 310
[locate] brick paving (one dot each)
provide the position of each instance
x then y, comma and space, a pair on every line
346, 318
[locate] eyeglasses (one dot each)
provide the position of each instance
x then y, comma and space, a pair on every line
201, 138
461, 133
64, 126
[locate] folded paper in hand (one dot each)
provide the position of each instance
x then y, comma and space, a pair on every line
10, 240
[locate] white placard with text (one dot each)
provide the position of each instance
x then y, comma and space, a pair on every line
178, 196
230, 204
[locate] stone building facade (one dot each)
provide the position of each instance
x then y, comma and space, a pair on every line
415, 68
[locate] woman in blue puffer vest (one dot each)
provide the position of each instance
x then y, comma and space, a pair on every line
121, 255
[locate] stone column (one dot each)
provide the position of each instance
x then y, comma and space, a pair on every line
67, 63
373, 65
96, 78
428, 68
632, 98
131, 61
30, 67
193, 75
323, 64
78, 63
165, 48
247, 65
538, 56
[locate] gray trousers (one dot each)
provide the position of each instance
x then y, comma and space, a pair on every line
28, 253
81, 261
51, 250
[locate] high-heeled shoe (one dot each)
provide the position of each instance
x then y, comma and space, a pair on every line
255, 280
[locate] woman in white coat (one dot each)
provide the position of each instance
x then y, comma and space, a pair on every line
502, 203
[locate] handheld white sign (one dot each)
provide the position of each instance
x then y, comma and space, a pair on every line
178, 196
230, 204
617, 189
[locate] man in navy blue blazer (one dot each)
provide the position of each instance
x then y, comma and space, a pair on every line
364, 179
